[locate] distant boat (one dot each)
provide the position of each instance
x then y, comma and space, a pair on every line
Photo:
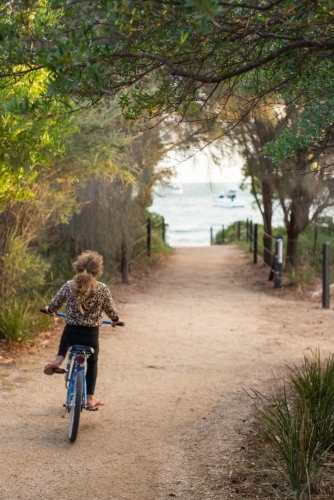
177, 188
228, 199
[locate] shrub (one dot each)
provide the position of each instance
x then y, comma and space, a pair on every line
14, 320
22, 270
313, 383
20, 319
297, 423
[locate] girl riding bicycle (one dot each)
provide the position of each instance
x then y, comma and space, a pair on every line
86, 299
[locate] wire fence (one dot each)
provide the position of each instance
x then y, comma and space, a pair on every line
263, 248
148, 227
255, 236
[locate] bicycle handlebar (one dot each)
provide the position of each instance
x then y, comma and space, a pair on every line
105, 321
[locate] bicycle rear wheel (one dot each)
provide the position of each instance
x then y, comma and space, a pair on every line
76, 408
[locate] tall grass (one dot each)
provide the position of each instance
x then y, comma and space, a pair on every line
313, 383
297, 424
20, 319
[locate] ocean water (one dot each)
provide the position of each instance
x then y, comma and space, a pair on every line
189, 216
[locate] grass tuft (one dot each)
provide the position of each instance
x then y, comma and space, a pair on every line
296, 424
20, 319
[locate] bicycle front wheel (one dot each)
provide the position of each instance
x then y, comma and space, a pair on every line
76, 408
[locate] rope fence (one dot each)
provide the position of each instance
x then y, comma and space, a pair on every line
263, 248
148, 237
255, 236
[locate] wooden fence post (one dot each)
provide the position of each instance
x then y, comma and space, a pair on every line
163, 228
255, 243
125, 261
148, 238
326, 271
278, 261
251, 235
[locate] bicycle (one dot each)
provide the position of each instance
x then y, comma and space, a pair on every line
75, 382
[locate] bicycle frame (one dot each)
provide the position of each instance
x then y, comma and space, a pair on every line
75, 381
72, 369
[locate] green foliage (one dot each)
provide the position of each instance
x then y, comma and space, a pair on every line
158, 245
231, 233
310, 244
297, 424
291, 436
20, 319
23, 270
300, 276
313, 127
313, 383
100, 145
14, 320
179, 44
31, 129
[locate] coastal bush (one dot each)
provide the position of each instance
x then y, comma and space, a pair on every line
158, 246
20, 319
22, 269
296, 424
231, 233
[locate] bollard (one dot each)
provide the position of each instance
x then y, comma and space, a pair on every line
326, 270
247, 231
223, 234
278, 262
211, 236
163, 228
250, 236
239, 230
255, 243
148, 237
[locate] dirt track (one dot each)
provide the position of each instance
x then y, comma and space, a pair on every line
172, 380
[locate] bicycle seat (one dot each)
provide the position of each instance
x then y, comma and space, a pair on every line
82, 348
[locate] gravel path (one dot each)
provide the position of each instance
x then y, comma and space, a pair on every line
172, 379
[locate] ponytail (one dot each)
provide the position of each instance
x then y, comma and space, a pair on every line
89, 265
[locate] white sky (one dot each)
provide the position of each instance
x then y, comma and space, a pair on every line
200, 168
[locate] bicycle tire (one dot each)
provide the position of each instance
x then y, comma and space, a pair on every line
76, 409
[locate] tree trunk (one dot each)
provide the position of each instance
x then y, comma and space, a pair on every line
301, 202
125, 262
292, 247
267, 197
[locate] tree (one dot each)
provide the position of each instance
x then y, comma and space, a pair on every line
185, 44
261, 126
303, 185
116, 166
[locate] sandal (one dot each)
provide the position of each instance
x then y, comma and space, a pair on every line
96, 406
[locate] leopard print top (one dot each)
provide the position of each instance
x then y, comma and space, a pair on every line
97, 302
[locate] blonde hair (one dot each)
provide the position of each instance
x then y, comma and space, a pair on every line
88, 266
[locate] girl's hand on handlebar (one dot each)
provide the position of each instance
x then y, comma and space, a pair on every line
118, 322
46, 310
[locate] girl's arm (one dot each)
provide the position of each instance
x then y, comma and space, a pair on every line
109, 306
58, 300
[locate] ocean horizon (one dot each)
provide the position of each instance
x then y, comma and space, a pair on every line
190, 215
